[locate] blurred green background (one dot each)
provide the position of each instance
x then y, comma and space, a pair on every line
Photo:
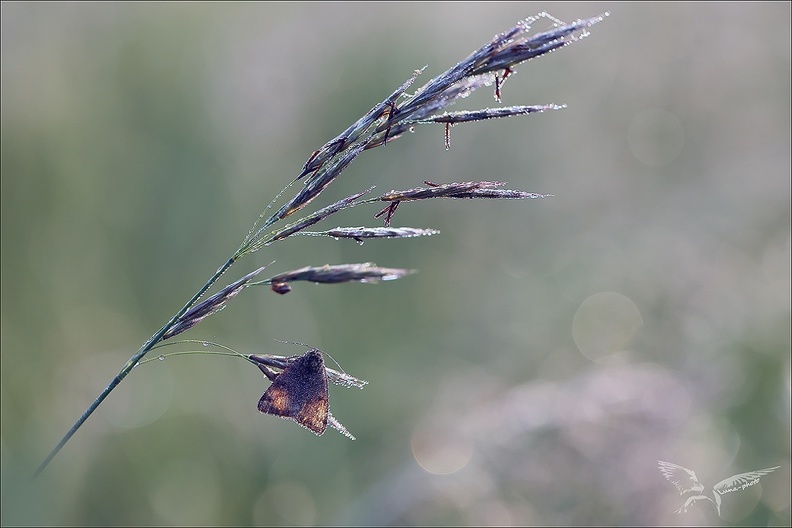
545, 356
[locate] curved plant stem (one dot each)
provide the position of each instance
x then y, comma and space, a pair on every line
386, 121
133, 361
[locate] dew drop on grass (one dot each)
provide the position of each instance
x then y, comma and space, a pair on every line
161, 357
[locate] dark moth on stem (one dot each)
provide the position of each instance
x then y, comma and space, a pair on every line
298, 389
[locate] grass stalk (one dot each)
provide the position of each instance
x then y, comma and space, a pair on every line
490, 65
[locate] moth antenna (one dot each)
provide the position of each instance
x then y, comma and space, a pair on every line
311, 346
295, 343
334, 360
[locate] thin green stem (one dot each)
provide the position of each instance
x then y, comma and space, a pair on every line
382, 123
133, 361
230, 351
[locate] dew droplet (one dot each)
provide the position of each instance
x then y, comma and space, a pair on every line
360, 242
161, 357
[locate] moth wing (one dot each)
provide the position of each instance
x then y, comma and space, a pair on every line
278, 401
313, 415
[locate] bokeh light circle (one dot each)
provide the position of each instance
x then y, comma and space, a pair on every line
604, 324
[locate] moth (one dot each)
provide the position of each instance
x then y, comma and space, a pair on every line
299, 392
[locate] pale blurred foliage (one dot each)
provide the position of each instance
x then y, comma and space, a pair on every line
534, 370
